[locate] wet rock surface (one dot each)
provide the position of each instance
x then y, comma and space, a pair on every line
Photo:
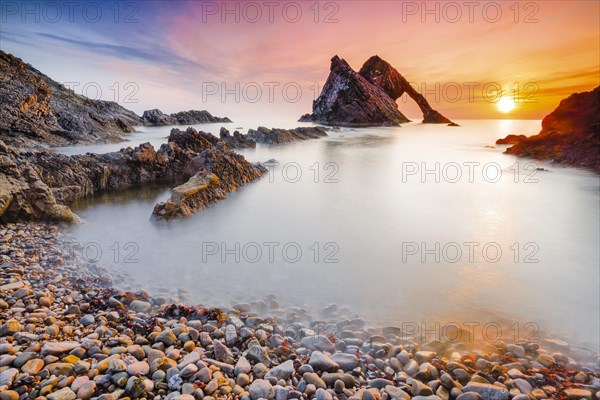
36, 111
265, 135
367, 98
381, 74
40, 185
220, 172
156, 117
236, 140
570, 134
68, 333
281, 136
348, 99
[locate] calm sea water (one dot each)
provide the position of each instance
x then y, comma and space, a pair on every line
421, 223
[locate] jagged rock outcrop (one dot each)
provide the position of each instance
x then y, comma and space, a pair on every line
156, 117
237, 140
23, 195
511, 139
570, 134
191, 197
381, 74
352, 99
280, 136
348, 99
219, 173
39, 185
36, 111
270, 136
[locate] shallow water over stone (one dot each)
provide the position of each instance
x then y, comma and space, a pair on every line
353, 219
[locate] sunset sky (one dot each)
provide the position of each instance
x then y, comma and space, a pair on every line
179, 55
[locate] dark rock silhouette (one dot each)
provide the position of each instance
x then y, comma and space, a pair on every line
570, 134
367, 98
511, 139
156, 117
237, 140
269, 136
280, 136
348, 99
381, 74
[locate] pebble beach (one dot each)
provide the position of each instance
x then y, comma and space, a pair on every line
67, 332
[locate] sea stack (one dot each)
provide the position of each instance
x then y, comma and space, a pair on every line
367, 98
381, 74
348, 99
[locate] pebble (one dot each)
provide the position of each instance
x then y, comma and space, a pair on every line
314, 379
323, 394
87, 319
242, 366
516, 350
322, 362
10, 327
62, 394
283, 371
318, 342
546, 360
32, 367
489, 392
261, 389
470, 396
9, 395
523, 386
420, 389
8, 376
140, 306
138, 368
576, 394
346, 362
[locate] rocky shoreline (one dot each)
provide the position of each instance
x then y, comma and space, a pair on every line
36, 112
41, 185
268, 136
156, 117
570, 134
66, 332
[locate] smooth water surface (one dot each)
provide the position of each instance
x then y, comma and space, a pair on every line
354, 219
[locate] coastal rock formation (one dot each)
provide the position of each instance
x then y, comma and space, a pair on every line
570, 134
23, 195
348, 99
270, 136
37, 111
367, 98
511, 139
219, 172
38, 185
381, 74
199, 191
280, 136
237, 140
156, 117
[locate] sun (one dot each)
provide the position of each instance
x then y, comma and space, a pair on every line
505, 104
